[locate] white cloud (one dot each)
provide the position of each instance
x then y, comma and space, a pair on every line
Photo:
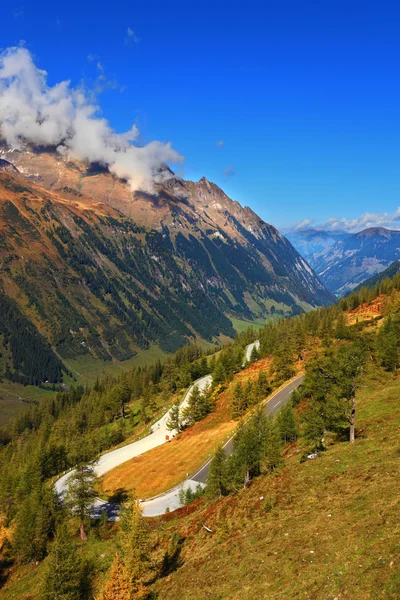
59, 115
131, 37
388, 220
229, 171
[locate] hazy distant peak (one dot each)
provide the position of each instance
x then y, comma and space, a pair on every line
371, 231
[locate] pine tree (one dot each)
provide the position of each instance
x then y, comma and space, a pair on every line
239, 404
341, 331
245, 460
35, 524
313, 425
174, 421
62, 580
273, 446
388, 345
250, 393
283, 361
286, 421
255, 354
118, 585
199, 405
332, 381
80, 495
217, 476
263, 387
134, 547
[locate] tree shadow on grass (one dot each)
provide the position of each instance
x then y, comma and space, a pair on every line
172, 558
119, 496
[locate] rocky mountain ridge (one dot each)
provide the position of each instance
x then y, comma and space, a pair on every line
103, 271
356, 258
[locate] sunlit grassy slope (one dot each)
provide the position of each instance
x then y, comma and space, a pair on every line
168, 465
322, 529
327, 528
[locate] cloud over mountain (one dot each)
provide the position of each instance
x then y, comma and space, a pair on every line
391, 221
66, 117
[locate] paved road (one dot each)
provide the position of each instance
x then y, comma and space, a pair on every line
249, 350
113, 459
170, 500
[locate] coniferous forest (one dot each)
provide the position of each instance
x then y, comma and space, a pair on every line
74, 426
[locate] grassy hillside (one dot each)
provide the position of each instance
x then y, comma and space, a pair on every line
321, 529
285, 527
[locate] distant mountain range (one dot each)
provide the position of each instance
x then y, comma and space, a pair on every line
94, 268
310, 241
356, 258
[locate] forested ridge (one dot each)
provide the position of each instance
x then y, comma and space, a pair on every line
96, 283
336, 350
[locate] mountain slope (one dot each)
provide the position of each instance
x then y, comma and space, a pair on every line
169, 268
310, 241
390, 272
356, 258
199, 212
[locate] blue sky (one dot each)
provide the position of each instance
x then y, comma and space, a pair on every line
305, 96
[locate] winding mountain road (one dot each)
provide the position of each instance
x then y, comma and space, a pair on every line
169, 500
249, 350
113, 459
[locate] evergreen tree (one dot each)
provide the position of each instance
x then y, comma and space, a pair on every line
341, 331
63, 575
273, 446
332, 381
217, 476
255, 354
388, 350
134, 547
199, 405
80, 495
174, 420
239, 404
283, 361
313, 425
35, 525
263, 387
286, 421
245, 460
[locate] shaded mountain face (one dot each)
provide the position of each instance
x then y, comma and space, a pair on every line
356, 258
99, 270
388, 273
310, 241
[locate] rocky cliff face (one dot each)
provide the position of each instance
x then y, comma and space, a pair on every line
98, 269
356, 258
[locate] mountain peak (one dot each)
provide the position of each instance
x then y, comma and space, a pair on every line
355, 258
371, 231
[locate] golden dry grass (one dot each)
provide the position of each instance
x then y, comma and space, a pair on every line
166, 466
367, 311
